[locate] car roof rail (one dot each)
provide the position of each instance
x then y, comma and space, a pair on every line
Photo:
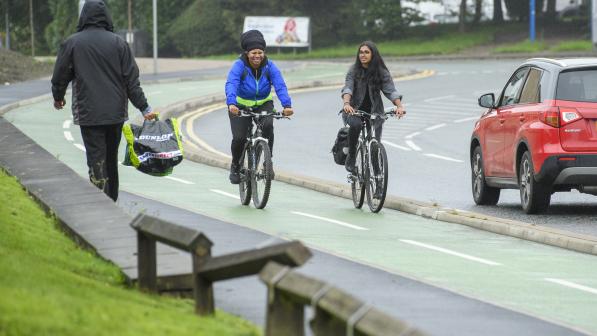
547, 60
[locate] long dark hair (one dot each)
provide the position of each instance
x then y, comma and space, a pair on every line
373, 74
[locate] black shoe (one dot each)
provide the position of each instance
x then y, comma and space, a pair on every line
234, 174
350, 164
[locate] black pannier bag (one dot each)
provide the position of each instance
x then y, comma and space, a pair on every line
153, 148
340, 148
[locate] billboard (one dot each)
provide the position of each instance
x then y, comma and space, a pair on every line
281, 31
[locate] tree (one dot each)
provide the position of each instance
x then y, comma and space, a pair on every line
519, 9
462, 16
498, 14
65, 14
551, 10
478, 11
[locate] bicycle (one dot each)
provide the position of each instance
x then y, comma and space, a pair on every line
371, 165
256, 171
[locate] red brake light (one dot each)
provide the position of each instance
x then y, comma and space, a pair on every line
551, 117
569, 114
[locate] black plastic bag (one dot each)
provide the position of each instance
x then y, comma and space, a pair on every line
153, 148
340, 148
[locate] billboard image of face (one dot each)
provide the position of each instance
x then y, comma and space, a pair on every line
281, 31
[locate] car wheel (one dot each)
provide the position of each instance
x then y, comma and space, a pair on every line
534, 196
482, 193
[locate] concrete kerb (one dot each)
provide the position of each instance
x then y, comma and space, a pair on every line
531, 232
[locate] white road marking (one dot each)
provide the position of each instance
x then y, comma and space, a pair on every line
179, 180
154, 93
224, 193
81, 147
438, 98
66, 123
68, 135
431, 128
442, 157
465, 119
454, 253
572, 285
412, 135
413, 146
329, 220
391, 144
189, 88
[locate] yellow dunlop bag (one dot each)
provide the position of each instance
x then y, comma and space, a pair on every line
153, 148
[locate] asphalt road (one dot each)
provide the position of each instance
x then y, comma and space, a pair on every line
428, 149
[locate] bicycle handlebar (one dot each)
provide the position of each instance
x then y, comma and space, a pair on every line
248, 112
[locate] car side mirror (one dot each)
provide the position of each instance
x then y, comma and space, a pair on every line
487, 100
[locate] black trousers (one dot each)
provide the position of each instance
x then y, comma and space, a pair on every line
356, 125
240, 127
101, 146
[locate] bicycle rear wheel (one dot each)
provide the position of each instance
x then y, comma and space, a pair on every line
262, 175
357, 183
244, 187
377, 185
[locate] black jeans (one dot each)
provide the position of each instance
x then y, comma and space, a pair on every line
101, 146
240, 127
356, 124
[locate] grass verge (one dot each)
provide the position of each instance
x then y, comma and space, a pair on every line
49, 286
575, 45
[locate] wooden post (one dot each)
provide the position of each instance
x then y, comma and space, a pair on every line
284, 315
203, 292
146, 262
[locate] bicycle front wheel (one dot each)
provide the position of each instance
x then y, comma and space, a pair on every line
244, 187
377, 185
262, 174
357, 182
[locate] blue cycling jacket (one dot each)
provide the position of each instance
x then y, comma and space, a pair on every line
242, 88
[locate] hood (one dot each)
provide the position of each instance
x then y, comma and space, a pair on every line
95, 14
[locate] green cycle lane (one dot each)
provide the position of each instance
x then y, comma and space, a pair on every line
548, 282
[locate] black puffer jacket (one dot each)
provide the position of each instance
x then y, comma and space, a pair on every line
102, 69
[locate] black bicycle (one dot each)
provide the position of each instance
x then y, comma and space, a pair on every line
256, 171
371, 166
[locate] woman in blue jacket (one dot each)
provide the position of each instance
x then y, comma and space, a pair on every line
249, 84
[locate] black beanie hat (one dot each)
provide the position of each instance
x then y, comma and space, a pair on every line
252, 39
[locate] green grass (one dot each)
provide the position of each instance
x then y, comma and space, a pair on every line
575, 45
48, 286
525, 46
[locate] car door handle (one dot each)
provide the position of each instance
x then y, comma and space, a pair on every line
502, 121
522, 119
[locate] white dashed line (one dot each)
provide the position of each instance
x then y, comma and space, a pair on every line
454, 253
66, 123
179, 180
438, 98
442, 157
412, 135
81, 147
413, 146
391, 144
572, 285
224, 193
333, 221
68, 135
466, 119
435, 127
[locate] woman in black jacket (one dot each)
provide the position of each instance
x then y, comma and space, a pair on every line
365, 79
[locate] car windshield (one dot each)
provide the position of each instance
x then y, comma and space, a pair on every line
578, 85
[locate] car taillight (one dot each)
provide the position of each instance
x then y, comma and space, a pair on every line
569, 114
551, 117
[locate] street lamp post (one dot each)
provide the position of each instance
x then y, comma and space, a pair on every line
594, 23
532, 20
155, 38
32, 28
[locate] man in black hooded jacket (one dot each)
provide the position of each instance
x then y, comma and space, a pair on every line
104, 77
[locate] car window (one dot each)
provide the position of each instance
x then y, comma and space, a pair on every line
577, 85
531, 92
512, 90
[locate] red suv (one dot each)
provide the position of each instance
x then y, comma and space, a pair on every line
540, 136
